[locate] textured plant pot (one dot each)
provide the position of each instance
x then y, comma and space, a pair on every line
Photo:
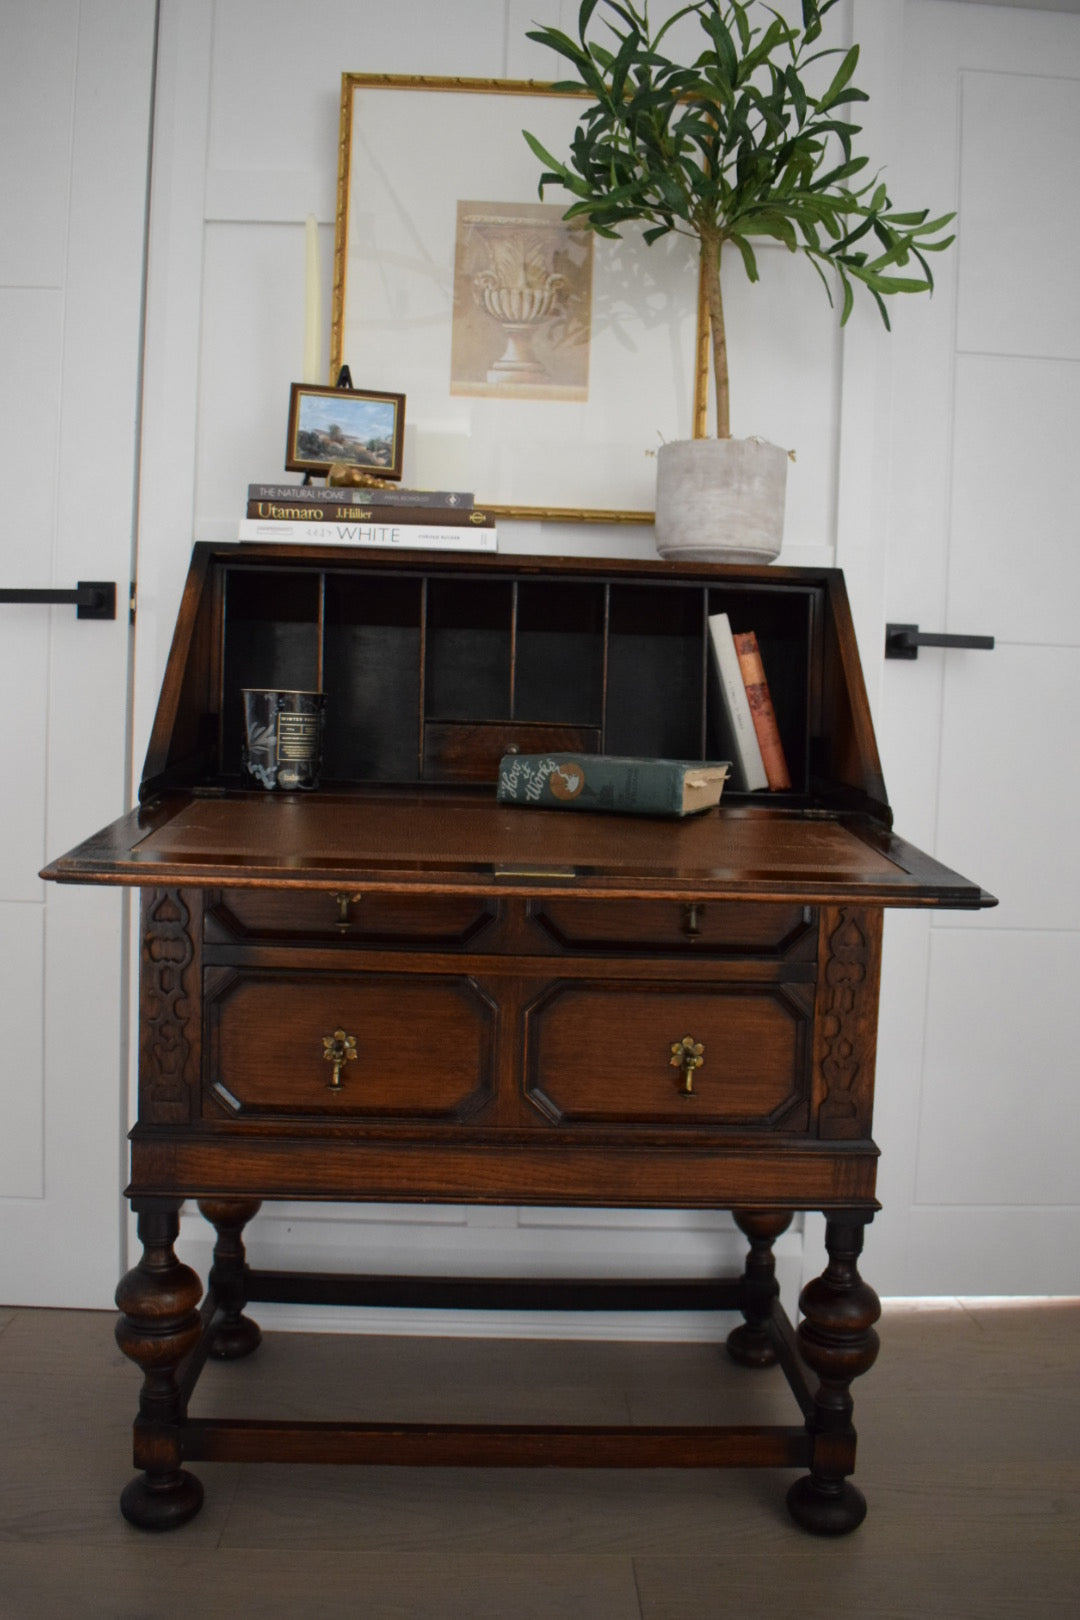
720, 500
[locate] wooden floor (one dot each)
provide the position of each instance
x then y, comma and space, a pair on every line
969, 1457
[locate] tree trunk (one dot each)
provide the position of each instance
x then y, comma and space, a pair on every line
710, 260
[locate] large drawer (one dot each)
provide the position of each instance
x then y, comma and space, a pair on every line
407, 1046
602, 1053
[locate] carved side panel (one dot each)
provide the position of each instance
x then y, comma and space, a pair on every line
845, 1041
169, 1005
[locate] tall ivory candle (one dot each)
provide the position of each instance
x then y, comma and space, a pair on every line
312, 304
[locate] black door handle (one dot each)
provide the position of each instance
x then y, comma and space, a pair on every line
904, 641
92, 599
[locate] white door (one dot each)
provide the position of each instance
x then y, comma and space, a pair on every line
75, 94
978, 1115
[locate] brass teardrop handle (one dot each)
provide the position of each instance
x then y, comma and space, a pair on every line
687, 1055
338, 1049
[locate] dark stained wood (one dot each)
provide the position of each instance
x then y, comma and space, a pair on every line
692, 927
461, 1445
235, 1334
451, 842
837, 1339
158, 1326
754, 1344
605, 1054
396, 989
597, 1169
422, 1045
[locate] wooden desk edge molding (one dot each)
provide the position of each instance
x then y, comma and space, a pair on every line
394, 989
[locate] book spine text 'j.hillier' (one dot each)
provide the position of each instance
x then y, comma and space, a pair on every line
334, 511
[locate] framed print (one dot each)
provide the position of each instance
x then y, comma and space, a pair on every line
543, 364
347, 425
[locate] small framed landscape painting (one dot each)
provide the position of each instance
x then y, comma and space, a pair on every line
350, 426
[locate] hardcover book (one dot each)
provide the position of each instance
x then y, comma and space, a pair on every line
642, 787
762, 712
331, 510
384, 532
346, 494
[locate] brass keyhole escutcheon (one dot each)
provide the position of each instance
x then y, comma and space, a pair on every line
692, 918
687, 1055
338, 1049
345, 903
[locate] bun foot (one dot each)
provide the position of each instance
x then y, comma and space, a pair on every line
235, 1340
751, 1346
832, 1509
161, 1504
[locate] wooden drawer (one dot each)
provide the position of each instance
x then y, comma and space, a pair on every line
423, 1045
728, 927
270, 916
601, 1053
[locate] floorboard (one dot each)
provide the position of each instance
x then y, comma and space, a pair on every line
969, 1457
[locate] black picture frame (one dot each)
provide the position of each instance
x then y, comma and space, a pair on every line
354, 427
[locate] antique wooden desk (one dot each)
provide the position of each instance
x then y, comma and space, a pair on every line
395, 989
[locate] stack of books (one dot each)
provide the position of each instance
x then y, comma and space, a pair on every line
425, 519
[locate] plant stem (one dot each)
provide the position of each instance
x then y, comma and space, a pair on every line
710, 260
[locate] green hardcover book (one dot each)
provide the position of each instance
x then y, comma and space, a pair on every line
635, 787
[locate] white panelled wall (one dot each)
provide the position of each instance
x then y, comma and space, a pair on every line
75, 94
890, 437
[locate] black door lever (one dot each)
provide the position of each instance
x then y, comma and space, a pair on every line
92, 599
904, 641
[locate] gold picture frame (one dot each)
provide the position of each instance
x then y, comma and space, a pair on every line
354, 427
546, 408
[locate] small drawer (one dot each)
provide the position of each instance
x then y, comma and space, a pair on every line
447, 921
470, 751
726, 927
604, 1054
369, 1046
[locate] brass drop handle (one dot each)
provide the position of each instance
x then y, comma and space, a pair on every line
687, 1055
345, 903
338, 1049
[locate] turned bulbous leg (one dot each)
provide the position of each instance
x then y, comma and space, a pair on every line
751, 1344
836, 1338
236, 1335
158, 1326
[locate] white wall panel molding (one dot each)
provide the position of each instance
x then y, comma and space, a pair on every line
173, 315
1017, 274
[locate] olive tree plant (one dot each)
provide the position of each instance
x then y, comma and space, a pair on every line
732, 146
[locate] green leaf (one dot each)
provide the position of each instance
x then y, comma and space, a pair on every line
584, 15
840, 79
811, 19
545, 156
727, 58
798, 95
747, 253
767, 223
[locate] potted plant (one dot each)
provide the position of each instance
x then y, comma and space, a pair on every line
737, 143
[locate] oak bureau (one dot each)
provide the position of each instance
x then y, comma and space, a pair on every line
394, 989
